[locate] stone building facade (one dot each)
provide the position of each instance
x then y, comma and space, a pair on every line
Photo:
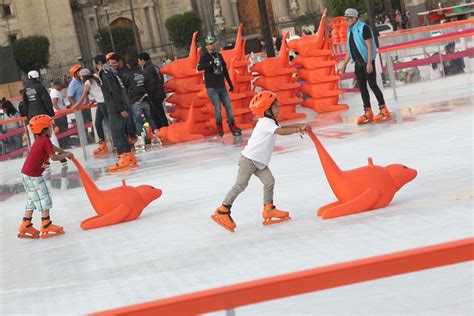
51, 18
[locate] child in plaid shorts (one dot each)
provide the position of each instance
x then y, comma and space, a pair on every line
38, 196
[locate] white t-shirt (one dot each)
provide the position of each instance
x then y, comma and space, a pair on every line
95, 91
260, 145
55, 94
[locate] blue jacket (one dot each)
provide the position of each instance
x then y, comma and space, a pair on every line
357, 31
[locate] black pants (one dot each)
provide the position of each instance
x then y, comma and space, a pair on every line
100, 115
158, 112
62, 125
117, 128
362, 78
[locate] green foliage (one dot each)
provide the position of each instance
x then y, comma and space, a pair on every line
31, 52
124, 40
181, 27
337, 7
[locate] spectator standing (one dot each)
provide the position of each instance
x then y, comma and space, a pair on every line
215, 70
154, 85
59, 104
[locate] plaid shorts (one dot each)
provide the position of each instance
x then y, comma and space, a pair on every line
38, 197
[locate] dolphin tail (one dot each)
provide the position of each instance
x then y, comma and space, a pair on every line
331, 169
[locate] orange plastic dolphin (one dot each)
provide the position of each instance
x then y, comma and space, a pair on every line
362, 189
116, 205
185, 67
181, 131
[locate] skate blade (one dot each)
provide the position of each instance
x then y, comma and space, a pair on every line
28, 236
51, 234
365, 122
270, 221
218, 221
384, 120
126, 169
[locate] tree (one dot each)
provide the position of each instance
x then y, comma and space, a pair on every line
124, 39
181, 28
337, 7
31, 52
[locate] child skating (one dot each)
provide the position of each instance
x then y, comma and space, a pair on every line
254, 159
38, 197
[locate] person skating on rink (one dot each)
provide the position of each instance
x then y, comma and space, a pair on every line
38, 196
361, 49
254, 160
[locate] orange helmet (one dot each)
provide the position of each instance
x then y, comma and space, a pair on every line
261, 102
74, 69
109, 55
39, 122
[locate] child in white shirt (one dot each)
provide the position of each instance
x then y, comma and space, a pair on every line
255, 158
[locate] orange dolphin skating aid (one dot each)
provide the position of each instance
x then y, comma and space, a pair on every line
362, 189
116, 205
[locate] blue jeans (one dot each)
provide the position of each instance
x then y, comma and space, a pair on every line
218, 95
137, 109
100, 115
117, 128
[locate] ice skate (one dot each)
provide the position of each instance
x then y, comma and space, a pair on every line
235, 130
27, 230
383, 116
140, 144
48, 229
222, 217
123, 164
366, 118
132, 159
220, 130
103, 150
270, 212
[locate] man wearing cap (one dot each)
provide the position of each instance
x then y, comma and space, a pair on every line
215, 70
36, 98
75, 89
362, 50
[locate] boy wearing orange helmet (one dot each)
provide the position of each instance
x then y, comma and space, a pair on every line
255, 158
38, 197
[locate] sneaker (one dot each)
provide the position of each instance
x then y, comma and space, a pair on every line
220, 130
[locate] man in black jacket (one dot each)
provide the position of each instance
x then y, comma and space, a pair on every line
134, 81
155, 89
36, 98
215, 70
116, 100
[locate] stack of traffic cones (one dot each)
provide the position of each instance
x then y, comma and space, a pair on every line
318, 69
277, 76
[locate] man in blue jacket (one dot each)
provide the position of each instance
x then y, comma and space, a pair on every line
361, 49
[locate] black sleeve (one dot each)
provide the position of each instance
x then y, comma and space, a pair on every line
115, 91
126, 80
366, 33
151, 78
204, 62
26, 103
226, 72
46, 99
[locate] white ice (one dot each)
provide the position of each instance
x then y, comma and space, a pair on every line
175, 248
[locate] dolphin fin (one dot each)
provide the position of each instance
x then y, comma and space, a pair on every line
114, 217
360, 204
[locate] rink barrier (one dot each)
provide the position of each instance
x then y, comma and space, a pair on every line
79, 129
426, 28
306, 281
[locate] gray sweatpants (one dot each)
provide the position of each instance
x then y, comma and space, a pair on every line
246, 169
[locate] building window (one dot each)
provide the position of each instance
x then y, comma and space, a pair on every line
7, 10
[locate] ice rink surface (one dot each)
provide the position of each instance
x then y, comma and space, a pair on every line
175, 248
